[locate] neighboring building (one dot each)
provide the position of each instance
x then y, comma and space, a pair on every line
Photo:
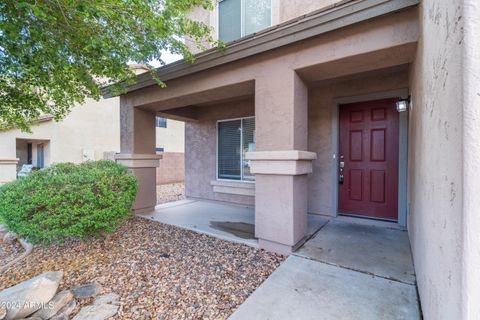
170, 143
89, 132
302, 117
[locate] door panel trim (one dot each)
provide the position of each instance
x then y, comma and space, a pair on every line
403, 149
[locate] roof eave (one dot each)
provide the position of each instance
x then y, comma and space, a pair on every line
316, 23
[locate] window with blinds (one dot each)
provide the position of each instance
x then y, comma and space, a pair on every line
238, 18
235, 139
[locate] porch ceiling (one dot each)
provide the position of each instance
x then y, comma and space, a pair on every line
381, 59
206, 97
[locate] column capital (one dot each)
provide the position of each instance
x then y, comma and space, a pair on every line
9, 160
281, 162
8, 169
136, 160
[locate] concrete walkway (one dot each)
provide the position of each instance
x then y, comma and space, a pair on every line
225, 221
347, 271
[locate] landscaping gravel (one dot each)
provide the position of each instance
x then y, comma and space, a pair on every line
170, 192
159, 271
8, 252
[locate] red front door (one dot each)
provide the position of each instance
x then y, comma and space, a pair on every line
368, 159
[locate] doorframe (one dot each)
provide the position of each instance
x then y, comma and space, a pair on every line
402, 146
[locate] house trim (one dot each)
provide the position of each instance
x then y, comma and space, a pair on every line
9, 160
281, 162
230, 187
337, 16
139, 160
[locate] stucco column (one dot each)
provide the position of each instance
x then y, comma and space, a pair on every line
137, 151
8, 169
281, 161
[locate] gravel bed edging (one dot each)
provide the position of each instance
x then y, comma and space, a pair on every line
204, 232
28, 249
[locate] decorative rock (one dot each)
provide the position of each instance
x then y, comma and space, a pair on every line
9, 237
3, 313
85, 291
58, 302
97, 312
66, 311
109, 298
27, 297
3, 230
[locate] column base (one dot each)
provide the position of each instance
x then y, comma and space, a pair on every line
279, 247
281, 196
141, 211
144, 167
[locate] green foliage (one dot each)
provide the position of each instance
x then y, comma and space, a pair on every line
56, 53
68, 201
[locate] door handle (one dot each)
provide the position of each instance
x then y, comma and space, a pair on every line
341, 165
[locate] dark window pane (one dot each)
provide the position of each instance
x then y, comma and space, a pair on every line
29, 153
229, 24
161, 122
229, 135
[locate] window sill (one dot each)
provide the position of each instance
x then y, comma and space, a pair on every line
234, 187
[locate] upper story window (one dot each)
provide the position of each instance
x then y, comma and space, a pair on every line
161, 122
238, 18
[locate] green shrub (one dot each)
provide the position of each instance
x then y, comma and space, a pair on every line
68, 201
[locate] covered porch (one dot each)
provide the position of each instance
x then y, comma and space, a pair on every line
347, 269
231, 222
284, 100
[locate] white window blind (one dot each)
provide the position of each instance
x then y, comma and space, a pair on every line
235, 139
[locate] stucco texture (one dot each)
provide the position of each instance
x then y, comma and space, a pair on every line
201, 136
200, 150
443, 160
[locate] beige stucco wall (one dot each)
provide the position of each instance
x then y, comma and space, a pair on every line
93, 126
200, 151
171, 138
443, 160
